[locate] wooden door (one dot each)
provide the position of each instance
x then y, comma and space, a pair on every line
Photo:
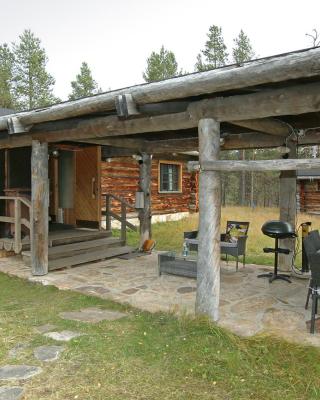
88, 187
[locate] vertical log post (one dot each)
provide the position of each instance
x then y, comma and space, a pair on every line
288, 205
17, 226
108, 209
208, 266
145, 187
39, 208
123, 234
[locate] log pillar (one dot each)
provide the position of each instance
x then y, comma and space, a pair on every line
208, 266
145, 187
39, 220
288, 205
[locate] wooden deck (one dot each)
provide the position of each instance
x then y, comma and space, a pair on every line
73, 246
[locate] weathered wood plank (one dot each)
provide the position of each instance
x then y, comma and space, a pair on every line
255, 165
208, 265
272, 69
39, 208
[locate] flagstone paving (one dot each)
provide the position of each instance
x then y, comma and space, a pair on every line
17, 350
63, 336
48, 353
45, 328
92, 315
248, 305
11, 393
18, 372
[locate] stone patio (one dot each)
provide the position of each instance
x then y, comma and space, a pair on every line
249, 305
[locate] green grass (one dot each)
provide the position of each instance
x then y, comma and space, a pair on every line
149, 356
169, 235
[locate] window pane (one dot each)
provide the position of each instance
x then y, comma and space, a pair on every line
169, 177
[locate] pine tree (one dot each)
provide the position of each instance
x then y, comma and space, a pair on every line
6, 77
215, 51
161, 65
200, 66
242, 50
84, 85
33, 84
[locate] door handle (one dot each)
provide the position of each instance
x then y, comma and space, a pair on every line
93, 187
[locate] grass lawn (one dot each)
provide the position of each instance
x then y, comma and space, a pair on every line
169, 235
147, 356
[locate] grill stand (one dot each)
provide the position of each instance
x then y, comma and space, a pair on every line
274, 275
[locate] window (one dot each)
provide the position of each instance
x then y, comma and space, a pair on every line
169, 177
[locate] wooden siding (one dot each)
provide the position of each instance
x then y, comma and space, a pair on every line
121, 178
309, 195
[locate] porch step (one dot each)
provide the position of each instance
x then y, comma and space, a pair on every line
75, 236
92, 255
74, 249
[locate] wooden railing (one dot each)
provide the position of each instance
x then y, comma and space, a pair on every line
16, 219
122, 217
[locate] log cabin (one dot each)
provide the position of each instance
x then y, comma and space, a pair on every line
264, 103
174, 189
308, 191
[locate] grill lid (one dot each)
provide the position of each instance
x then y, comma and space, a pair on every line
278, 229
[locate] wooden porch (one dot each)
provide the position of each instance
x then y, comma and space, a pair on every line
68, 245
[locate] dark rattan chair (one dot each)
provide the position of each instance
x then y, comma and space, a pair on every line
233, 242
312, 248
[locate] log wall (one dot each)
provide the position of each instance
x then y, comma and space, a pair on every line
309, 195
120, 177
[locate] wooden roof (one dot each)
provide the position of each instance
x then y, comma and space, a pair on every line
261, 103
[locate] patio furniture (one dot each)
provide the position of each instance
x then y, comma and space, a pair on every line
277, 230
312, 248
233, 241
170, 263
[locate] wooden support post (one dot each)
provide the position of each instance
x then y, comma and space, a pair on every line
208, 267
108, 209
145, 187
17, 226
39, 208
288, 205
123, 234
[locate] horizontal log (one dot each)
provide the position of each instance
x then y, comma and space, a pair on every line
266, 125
104, 127
259, 165
295, 65
293, 100
9, 220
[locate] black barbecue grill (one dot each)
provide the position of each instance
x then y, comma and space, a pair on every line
277, 230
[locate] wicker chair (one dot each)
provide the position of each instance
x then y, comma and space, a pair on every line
312, 247
234, 248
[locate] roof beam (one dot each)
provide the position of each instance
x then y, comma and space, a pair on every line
295, 65
270, 126
293, 100
287, 101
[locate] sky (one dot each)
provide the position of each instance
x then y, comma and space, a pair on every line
116, 37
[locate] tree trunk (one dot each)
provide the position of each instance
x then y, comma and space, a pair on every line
39, 208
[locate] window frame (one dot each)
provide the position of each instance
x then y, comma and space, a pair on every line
180, 171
